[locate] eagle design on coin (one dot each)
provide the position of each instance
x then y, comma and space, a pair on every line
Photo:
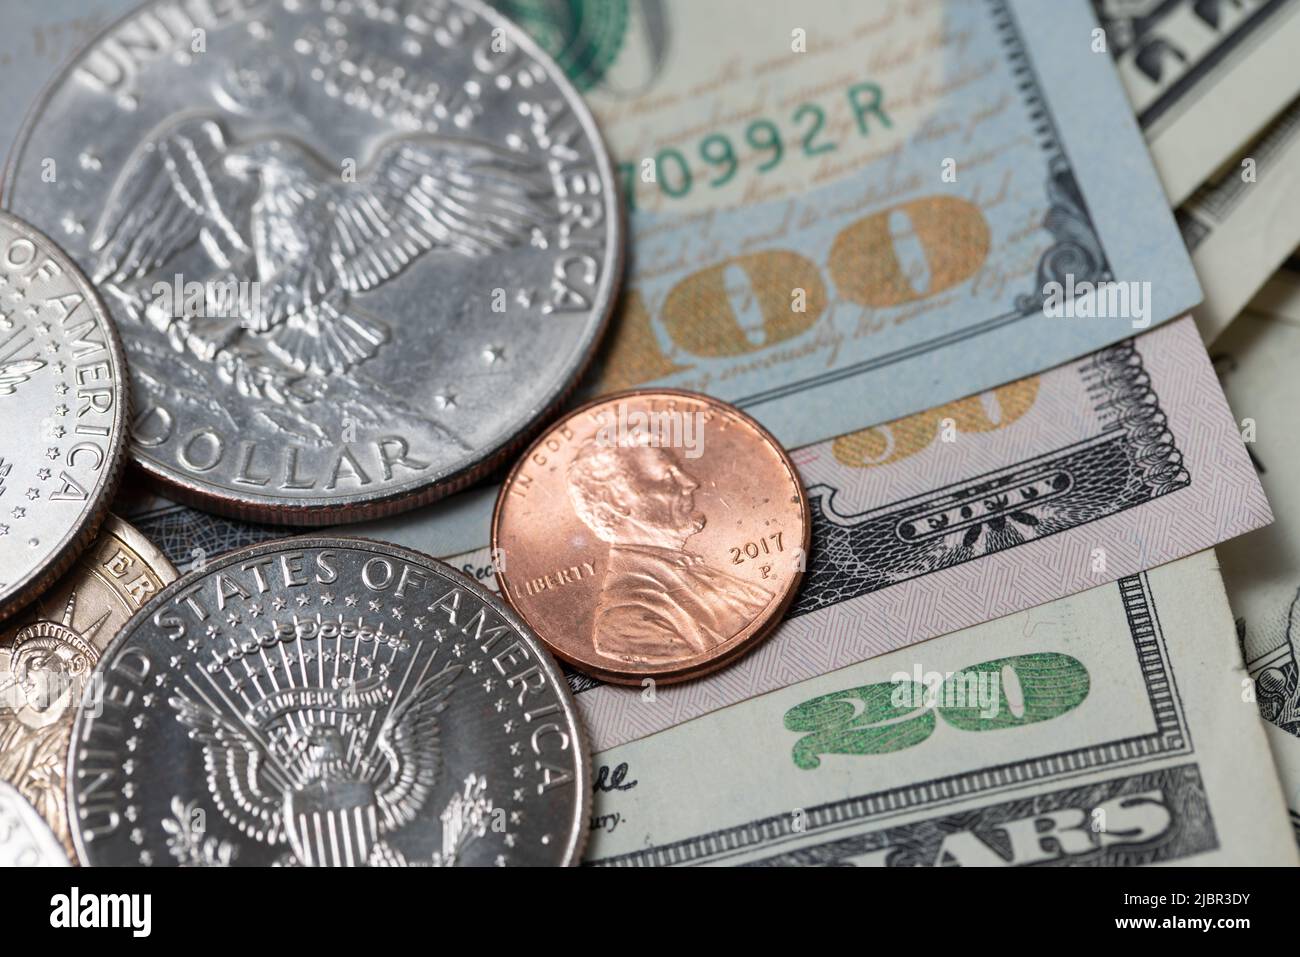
271, 212
326, 771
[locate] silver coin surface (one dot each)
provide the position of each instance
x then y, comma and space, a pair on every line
25, 839
321, 701
356, 250
63, 412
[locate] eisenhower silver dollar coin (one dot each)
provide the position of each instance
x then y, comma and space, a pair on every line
63, 412
356, 250
321, 701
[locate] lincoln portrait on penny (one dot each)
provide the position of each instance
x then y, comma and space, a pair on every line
658, 602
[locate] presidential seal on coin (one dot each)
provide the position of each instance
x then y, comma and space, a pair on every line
356, 250
47, 656
63, 412
651, 534
322, 702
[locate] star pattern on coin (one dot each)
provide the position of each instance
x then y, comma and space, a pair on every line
33, 494
278, 603
52, 453
327, 598
18, 511
43, 474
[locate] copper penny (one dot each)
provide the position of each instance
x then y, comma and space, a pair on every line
651, 534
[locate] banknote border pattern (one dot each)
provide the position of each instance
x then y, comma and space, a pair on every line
187, 535
1171, 736
842, 568
916, 844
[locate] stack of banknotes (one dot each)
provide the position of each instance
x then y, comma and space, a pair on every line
1011, 281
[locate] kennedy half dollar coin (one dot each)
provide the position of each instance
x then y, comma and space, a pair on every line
325, 701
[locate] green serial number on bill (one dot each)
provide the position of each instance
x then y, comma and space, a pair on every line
762, 142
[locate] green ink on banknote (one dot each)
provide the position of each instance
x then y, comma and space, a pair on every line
895, 715
584, 37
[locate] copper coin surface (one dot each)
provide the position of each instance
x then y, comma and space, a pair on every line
651, 534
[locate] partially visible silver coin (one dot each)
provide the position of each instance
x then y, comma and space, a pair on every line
63, 412
322, 701
357, 251
25, 839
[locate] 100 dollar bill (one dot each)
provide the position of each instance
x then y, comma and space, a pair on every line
1108, 728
